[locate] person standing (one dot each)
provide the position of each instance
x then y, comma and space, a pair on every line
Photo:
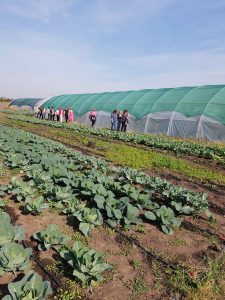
43, 113
92, 117
53, 114
61, 114
47, 113
124, 120
38, 112
113, 120
50, 114
57, 114
66, 112
70, 115
119, 117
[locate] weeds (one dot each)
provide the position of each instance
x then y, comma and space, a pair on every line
140, 228
136, 264
177, 241
138, 286
74, 293
203, 285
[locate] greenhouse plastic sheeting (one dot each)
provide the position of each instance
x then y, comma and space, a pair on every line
197, 112
25, 102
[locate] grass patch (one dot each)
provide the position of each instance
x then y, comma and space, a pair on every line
142, 159
206, 285
136, 264
177, 241
138, 287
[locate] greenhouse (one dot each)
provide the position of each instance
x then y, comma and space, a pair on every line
24, 103
195, 112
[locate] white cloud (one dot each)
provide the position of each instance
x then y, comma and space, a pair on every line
114, 13
42, 10
47, 71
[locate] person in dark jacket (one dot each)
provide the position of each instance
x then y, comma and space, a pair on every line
41, 113
92, 117
119, 117
124, 120
66, 113
53, 114
113, 120
50, 113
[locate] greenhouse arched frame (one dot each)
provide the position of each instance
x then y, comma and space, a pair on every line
189, 112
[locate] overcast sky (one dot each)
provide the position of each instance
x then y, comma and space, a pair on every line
50, 47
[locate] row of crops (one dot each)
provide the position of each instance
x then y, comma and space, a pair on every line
85, 264
15, 257
159, 142
88, 190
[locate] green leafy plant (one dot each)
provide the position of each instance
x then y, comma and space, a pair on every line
71, 205
85, 264
20, 190
8, 232
36, 205
118, 211
50, 237
14, 257
31, 286
88, 218
1, 170
166, 218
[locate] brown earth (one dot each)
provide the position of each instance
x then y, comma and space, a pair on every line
185, 247
4, 105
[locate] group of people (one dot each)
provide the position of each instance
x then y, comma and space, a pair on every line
59, 114
119, 119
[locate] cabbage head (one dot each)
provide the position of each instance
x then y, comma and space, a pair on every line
14, 257
30, 287
50, 237
9, 233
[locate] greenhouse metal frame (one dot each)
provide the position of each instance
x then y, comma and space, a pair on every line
189, 112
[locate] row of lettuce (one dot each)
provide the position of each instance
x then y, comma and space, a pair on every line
154, 141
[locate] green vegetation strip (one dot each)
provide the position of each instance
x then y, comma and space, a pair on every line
141, 159
126, 155
160, 142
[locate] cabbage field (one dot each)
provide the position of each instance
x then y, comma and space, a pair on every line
89, 213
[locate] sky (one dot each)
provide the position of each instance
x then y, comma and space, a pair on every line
51, 47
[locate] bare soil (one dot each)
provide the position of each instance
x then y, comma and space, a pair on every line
4, 105
119, 253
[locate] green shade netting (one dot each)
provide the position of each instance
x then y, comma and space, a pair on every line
170, 99
190, 101
196, 101
25, 102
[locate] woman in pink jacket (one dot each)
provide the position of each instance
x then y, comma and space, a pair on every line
92, 117
61, 115
70, 115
